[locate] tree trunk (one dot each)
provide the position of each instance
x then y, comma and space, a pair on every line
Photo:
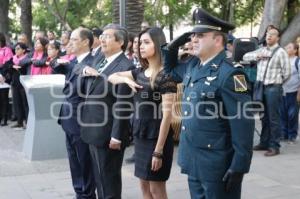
134, 14
273, 14
292, 9
292, 31
26, 19
61, 17
4, 22
231, 11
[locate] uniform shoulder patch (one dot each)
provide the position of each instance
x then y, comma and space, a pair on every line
237, 65
240, 84
231, 62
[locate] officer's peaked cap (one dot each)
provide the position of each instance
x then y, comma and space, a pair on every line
205, 22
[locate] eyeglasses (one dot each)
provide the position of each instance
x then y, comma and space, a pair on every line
106, 36
74, 39
17, 48
272, 34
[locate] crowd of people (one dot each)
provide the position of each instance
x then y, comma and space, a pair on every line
121, 86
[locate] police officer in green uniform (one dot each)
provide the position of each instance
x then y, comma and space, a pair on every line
216, 140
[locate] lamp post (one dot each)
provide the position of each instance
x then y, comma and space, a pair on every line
251, 23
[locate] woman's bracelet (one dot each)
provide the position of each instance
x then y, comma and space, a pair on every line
157, 155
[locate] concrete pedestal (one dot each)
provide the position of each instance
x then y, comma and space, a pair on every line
44, 138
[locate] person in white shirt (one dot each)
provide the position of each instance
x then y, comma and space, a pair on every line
289, 108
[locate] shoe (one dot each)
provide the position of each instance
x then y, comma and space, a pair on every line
13, 119
130, 160
259, 148
18, 128
272, 152
16, 125
4, 123
292, 141
283, 139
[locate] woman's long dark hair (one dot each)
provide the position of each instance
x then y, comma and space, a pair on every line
44, 43
158, 38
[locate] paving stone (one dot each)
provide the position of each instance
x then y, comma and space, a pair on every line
269, 178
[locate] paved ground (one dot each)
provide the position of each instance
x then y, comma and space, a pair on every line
270, 178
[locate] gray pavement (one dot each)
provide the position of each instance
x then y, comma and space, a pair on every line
270, 178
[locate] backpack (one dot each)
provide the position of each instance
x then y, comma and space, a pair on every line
297, 63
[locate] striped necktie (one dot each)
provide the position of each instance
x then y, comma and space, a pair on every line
100, 65
74, 61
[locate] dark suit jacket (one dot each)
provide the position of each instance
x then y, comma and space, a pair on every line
98, 57
65, 69
5, 71
13, 75
101, 114
74, 96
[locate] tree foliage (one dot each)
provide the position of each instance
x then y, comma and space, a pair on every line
167, 11
243, 11
74, 13
69, 14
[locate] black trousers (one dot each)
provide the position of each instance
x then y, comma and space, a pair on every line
20, 104
81, 168
108, 176
4, 104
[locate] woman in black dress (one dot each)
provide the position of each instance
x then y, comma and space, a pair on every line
153, 100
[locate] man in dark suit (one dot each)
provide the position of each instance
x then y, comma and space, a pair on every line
96, 48
78, 151
105, 113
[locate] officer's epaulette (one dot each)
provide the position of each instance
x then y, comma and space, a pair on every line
233, 63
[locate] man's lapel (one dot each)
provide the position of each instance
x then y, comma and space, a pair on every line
79, 66
107, 71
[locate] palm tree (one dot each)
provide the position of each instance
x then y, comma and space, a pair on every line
134, 14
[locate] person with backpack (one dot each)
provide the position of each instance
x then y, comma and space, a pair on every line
273, 69
289, 109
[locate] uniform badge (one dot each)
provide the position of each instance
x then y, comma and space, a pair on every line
240, 84
211, 78
214, 65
